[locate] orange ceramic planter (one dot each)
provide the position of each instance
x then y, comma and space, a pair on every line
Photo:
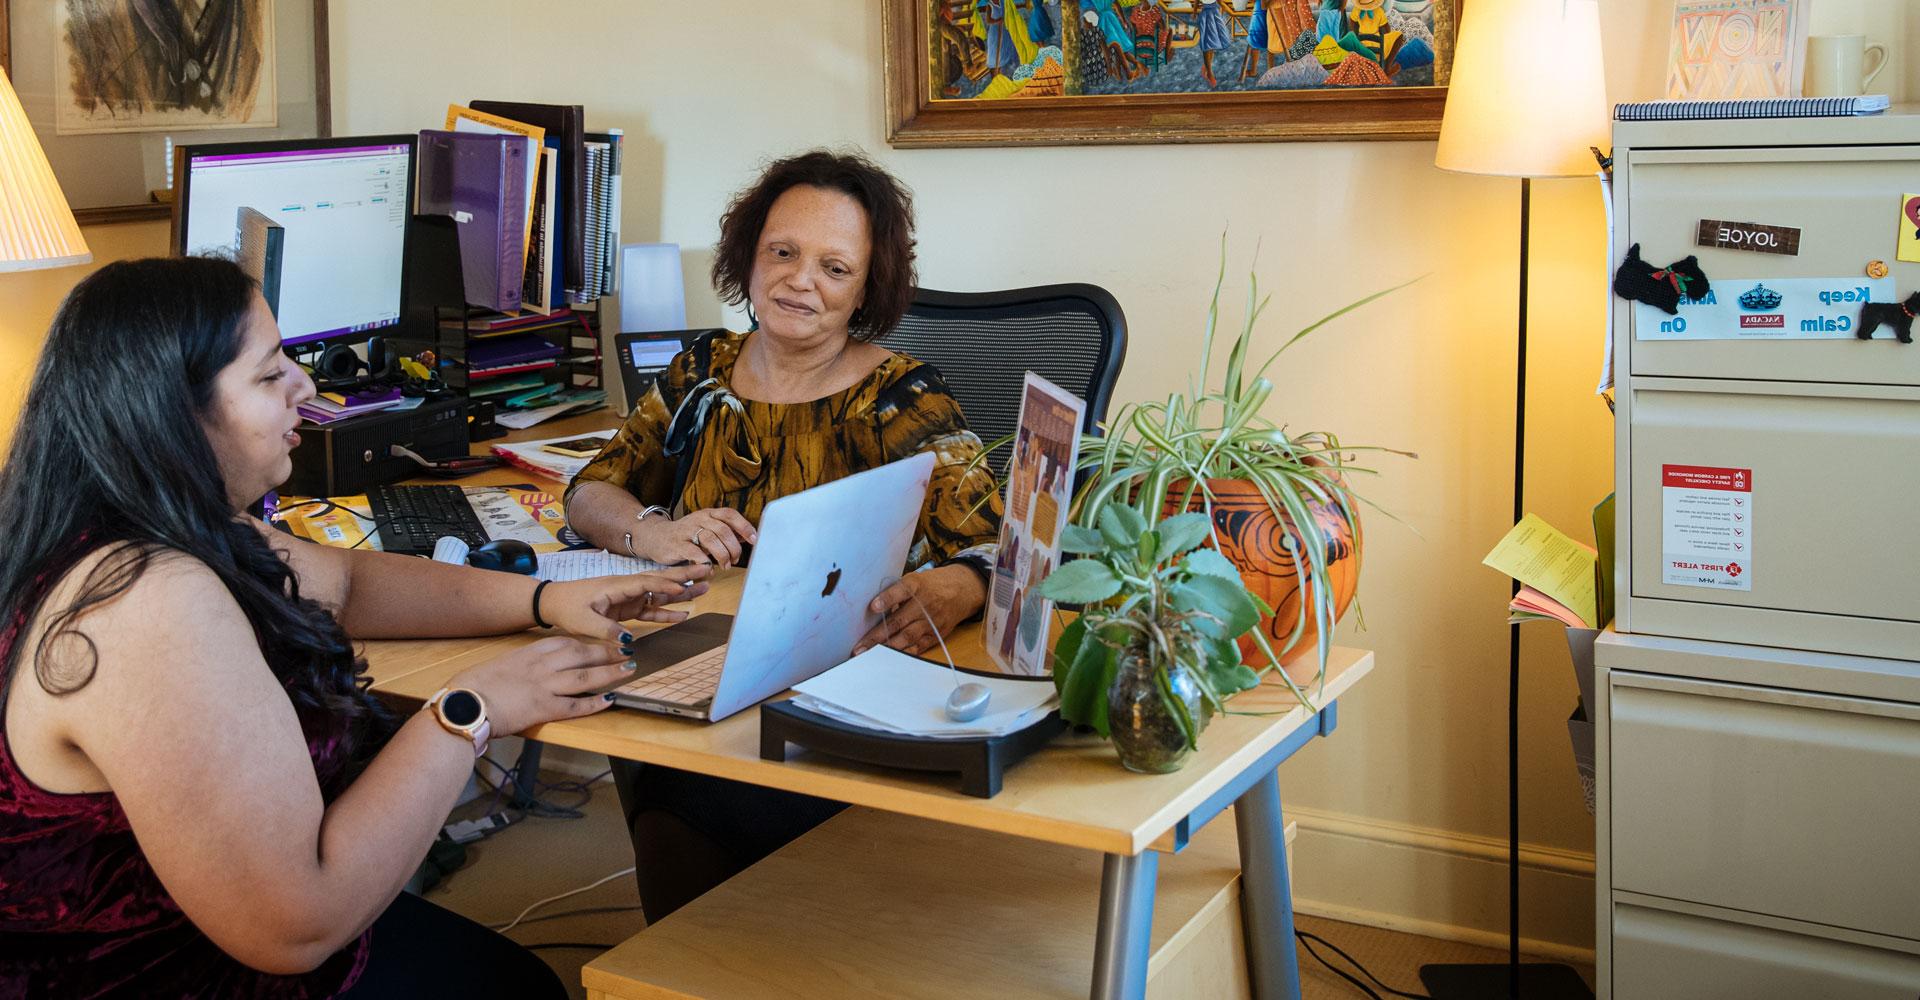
1262, 546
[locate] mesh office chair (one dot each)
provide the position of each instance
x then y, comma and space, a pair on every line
1075, 336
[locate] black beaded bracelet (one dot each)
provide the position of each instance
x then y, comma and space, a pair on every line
537, 620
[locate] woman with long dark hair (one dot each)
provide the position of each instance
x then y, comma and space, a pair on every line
198, 795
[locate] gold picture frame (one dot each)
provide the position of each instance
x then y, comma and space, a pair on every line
918, 117
133, 187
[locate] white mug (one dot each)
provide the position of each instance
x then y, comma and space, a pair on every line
1834, 65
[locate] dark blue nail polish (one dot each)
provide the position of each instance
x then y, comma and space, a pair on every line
607, 697
626, 638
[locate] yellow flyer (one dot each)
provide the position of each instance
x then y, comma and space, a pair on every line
524, 512
1909, 240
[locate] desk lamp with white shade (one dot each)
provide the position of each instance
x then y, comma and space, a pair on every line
1527, 99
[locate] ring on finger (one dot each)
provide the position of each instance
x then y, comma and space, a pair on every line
697, 532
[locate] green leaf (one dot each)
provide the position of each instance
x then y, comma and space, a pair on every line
1145, 550
1114, 529
1066, 650
1223, 599
1081, 541
1083, 694
1180, 533
1131, 523
1209, 562
1224, 671
1082, 581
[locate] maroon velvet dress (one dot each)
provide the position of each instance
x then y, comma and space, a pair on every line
82, 913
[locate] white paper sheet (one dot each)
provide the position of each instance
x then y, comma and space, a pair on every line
886, 689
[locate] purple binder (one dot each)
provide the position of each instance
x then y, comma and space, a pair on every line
479, 179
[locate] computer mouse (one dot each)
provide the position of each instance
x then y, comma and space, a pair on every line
508, 555
968, 702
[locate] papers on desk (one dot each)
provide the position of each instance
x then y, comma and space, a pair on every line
577, 564
892, 692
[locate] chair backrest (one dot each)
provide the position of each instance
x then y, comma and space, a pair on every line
1075, 336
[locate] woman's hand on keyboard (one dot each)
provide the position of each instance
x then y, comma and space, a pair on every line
595, 608
555, 678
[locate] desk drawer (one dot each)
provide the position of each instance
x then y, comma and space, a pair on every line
1664, 955
1832, 476
1791, 803
1846, 203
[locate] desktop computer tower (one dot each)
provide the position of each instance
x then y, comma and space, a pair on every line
348, 456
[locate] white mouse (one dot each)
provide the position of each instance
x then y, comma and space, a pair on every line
967, 702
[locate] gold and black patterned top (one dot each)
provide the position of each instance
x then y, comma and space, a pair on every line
727, 451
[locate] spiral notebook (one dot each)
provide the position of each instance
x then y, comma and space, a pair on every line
1785, 107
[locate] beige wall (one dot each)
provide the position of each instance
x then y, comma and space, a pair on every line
1403, 810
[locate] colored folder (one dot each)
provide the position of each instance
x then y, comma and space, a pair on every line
567, 123
480, 181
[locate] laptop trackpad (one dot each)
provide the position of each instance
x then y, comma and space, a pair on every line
665, 647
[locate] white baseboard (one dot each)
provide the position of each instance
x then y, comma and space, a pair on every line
1443, 884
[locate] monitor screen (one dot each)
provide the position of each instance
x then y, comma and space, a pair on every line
651, 354
337, 210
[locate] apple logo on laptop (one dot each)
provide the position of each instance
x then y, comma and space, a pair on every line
833, 580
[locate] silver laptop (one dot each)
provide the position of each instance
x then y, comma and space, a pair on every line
823, 555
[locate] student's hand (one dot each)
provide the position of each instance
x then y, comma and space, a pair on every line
555, 678
596, 607
949, 594
712, 536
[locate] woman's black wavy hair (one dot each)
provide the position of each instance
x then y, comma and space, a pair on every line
110, 452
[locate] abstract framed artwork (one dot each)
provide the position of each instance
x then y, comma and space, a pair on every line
1013, 72
112, 85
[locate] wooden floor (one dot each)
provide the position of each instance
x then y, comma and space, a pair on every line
537, 858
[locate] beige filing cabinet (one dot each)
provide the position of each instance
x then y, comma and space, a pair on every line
1825, 433
1757, 736
1758, 817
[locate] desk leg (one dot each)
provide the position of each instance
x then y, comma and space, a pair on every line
1266, 895
526, 773
1126, 922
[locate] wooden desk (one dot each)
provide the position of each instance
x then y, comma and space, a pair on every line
1074, 794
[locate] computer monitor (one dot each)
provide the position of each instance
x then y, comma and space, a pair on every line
322, 223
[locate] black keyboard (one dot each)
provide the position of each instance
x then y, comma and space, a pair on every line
412, 518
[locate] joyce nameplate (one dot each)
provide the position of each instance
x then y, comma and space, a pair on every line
1750, 236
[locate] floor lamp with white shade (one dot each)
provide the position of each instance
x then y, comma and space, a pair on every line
36, 226
1527, 99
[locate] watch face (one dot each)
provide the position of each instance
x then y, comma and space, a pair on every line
461, 708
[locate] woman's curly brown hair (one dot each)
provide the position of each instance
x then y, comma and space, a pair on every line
889, 207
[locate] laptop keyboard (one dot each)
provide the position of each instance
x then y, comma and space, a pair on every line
688, 682
412, 518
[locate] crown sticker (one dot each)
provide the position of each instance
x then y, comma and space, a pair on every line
1760, 298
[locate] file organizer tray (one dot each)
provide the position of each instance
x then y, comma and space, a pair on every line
979, 762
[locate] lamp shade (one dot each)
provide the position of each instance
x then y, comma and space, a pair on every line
1527, 95
36, 226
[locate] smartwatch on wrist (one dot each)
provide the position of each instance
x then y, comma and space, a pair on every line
463, 713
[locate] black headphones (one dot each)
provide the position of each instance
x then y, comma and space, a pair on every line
339, 368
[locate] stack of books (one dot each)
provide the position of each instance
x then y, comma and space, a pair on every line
328, 407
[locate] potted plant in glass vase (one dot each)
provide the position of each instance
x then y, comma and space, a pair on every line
1275, 515
1153, 653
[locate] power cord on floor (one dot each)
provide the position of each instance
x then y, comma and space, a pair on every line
515, 922
1307, 940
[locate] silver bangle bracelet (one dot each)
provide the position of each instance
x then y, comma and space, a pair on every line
642, 516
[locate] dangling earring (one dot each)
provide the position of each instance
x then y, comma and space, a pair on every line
753, 322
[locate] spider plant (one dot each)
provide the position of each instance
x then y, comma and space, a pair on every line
1170, 450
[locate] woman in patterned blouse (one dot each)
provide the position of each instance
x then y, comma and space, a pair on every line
820, 249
